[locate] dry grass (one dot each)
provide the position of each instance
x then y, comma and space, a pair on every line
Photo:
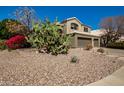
26, 67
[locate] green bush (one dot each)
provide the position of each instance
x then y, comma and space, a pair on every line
101, 50
46, 36
4, 34
74, 59
2, 44
117, 45
10, 27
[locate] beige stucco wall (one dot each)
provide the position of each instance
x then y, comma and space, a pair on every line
67, 26
89, 29
69, 30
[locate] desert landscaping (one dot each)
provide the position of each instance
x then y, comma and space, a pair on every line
27, 67
44, 52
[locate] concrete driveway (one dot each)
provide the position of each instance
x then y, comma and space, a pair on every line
115, 52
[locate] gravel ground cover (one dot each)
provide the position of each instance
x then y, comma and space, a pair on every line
26, 67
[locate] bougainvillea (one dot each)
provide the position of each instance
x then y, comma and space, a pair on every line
16, 42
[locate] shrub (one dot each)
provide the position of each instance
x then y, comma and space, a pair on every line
15, 42
4, 34
88, 47
101, 50
10, 27
117, 45
74, 59
46, 36
15, 27
2, 45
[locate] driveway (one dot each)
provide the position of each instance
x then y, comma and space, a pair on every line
115, 52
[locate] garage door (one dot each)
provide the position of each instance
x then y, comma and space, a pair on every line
96, 43
82, 42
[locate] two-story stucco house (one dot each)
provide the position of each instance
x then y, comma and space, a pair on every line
81, 33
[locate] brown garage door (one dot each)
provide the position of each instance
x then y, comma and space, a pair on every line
82, 42
96, 43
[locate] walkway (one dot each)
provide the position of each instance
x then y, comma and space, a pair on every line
117, 78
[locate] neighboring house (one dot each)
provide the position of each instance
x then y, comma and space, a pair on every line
98, 32
101, 32
121, 38
81, 33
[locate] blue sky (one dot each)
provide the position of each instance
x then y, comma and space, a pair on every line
90, 15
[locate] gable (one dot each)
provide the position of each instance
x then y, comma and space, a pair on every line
74, 20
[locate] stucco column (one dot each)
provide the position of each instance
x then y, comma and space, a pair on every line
99, 42
92, 41
76, 41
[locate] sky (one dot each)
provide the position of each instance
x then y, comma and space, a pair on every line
89, 15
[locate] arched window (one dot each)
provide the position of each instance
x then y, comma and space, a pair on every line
74, 26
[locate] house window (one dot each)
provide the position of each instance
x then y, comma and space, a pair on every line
85, 29
60, 31
74, 26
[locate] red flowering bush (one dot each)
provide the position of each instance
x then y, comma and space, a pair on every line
16, 42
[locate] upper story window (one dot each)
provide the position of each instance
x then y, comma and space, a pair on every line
85, 29
74, 26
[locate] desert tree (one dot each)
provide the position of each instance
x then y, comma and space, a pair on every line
113, 28
26, 16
